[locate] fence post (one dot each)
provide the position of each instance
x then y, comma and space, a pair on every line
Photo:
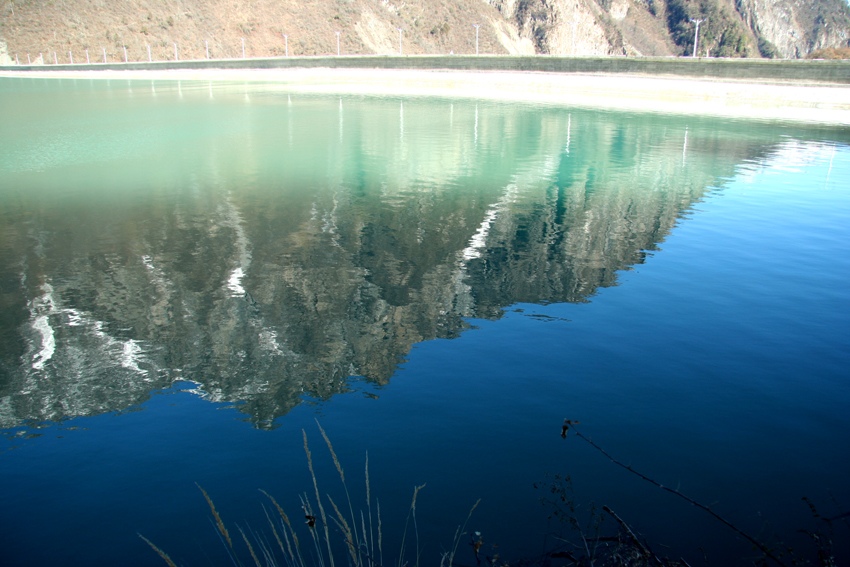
175, 52
104, 54
55, 59
88, 61
243, 48
71, 57
207, 45
125, 54
149, 53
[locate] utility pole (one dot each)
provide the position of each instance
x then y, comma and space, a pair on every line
476, 26
696, 33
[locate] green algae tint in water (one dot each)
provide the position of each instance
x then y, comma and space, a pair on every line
193, 272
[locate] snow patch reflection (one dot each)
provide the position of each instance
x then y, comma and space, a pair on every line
234, 283
42, 308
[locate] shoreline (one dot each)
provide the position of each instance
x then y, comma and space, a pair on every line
786, 101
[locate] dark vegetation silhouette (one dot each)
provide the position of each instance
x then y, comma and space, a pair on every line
598, 537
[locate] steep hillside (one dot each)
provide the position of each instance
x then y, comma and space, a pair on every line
51, 30
729, 28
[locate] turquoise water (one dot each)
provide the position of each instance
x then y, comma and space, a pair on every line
194, 273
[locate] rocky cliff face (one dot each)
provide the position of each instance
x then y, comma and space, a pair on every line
44, 31
587, 27
798, 28
771, 28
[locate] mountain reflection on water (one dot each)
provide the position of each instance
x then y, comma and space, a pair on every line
269, 246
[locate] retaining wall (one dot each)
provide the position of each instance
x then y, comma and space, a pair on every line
798, 70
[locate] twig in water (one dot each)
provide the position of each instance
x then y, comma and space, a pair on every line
634, 539
761, 547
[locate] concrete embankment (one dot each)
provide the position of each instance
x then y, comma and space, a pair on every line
793, 90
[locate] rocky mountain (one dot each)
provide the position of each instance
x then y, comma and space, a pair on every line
48, 31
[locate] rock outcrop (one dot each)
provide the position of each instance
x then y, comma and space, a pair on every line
736, 28
796, 29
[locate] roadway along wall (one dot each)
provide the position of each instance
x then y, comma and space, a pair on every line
798, 70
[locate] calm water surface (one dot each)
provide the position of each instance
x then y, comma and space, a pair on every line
192, 274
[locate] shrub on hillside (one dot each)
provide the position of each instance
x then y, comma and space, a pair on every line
831, 53
768, 50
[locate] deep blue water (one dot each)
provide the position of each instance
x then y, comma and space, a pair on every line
679, 286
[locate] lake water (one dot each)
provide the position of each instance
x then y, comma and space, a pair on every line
192, 274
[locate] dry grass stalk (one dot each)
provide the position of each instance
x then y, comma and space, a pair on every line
380, 533
158, 551
346, 531
333, 453
371, 538
277, 535
448, 558
360, 538
415, 525
218, 521
368, 486
278, 507
288, 528
411, 514
318, 497
365, 539
292, 556
250, 548
355, 541
311, 522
